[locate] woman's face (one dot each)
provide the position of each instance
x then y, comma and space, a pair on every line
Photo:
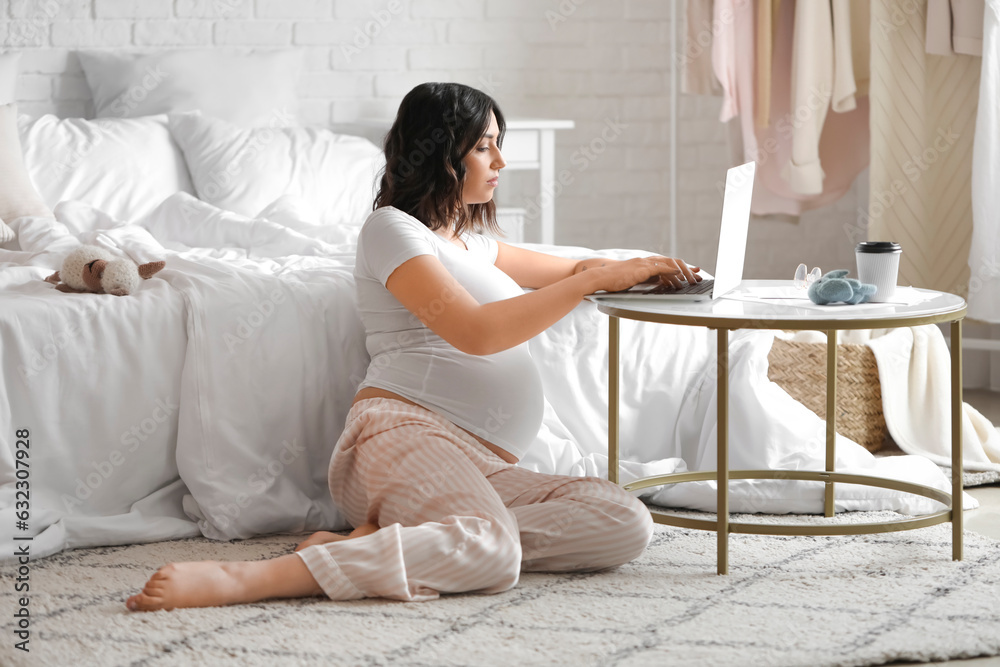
482, 167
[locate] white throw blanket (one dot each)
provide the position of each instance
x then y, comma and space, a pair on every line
914, 368
210, 400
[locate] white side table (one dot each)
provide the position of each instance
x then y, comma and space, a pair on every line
530, 143
725, 315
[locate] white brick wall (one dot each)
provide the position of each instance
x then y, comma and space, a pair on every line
587, 60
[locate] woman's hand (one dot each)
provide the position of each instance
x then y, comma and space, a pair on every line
617, 276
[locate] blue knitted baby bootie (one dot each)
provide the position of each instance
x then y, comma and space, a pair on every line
835, 287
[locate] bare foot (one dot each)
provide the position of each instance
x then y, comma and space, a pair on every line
209, 583
324, 537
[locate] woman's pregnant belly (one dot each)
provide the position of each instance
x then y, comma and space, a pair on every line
496, 398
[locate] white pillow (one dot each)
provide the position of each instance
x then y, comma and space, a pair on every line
8, 76
245, 170
18, 196
250, 89
124, 167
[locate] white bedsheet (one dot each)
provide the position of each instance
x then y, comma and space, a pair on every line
213, 397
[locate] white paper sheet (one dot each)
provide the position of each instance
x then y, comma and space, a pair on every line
794, 296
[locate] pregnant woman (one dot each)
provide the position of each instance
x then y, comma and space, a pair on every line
426, 465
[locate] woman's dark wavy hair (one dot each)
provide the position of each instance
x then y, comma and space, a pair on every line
436, 126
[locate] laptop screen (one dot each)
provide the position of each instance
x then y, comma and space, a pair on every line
735, 224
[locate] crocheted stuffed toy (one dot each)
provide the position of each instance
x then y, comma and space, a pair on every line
92, 269
835, 287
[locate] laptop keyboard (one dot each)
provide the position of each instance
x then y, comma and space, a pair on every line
703, 287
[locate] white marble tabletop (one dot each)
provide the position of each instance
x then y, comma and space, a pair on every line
751, 306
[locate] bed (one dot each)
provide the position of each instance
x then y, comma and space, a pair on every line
208, 402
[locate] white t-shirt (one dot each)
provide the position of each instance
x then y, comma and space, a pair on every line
496, 396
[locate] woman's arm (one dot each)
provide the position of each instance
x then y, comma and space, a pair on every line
535, 269
426, 288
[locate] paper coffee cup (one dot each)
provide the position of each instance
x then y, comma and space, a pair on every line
878, 264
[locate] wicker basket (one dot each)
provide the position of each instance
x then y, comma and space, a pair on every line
800, 369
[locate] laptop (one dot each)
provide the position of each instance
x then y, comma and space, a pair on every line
732, 249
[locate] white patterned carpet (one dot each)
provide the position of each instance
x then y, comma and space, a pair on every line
787, 601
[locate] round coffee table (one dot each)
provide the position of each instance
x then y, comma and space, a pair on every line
728, 314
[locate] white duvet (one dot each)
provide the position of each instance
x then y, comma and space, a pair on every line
209, 401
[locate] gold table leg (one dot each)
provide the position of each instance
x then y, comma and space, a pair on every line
613, 378
831, 417
722, 465
956, 440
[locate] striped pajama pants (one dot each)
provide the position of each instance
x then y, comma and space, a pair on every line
454, 517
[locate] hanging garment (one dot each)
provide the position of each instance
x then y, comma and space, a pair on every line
697, 76
843, 146
812, 88
922, 115
767, 16
822, 78
733, 39
984, 255
850, 53
732, 61
955, 26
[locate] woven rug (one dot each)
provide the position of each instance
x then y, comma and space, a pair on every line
974, 478
787, 601
969, 478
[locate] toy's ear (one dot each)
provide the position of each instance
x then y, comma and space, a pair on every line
54, 278
147, 270
63, 287
92, 272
